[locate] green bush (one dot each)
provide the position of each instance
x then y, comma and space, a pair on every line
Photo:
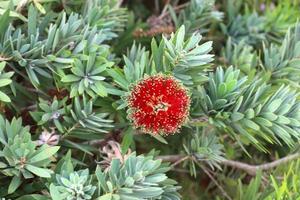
146, 100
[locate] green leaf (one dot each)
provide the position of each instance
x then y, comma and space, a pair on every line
180, 37
41, 172
269, 116
79, 146
14, 184
34, 197
12, 14
173, 14
39, 7
250, 124
44, 154
4, 97
101, 90
236, 116
55, 193
127, 140
2, 164
250, 113
118, 77
105, 197
159, 138
2, 65
274, 105
4, 82
263, 121
4, 22
32, 76
70, 78
222, 89
32, 19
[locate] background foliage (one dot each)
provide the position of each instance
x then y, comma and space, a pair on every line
66, 68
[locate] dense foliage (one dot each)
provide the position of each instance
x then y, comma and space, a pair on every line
146, 100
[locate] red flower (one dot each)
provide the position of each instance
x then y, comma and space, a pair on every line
158, 104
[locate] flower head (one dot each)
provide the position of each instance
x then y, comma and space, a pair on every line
112, 150
49, 138
158, 104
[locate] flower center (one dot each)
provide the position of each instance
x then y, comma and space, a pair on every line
22, 162
162, 106
157, 104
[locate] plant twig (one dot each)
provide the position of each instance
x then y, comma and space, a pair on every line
165, 8
177, 159
253, 169
170, 158
176, 9
248, 168
180, 161
119, 4
69, 131
21, 5
215, 182
28, 108
156, 6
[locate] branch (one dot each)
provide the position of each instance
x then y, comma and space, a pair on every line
252, 169
180, 161
177, 159
248, 168
176, 9
170, 158
21, 5
215, 182
202, 119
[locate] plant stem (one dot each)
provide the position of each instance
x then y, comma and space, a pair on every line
215, 181
176, 9
180, 161
69, 131
253, 169
248, 168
